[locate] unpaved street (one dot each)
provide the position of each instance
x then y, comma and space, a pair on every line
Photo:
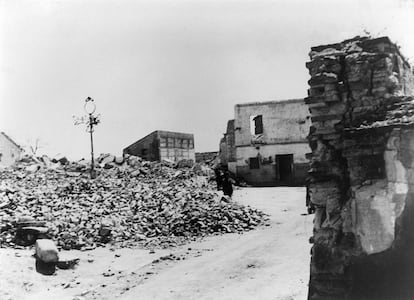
271, 262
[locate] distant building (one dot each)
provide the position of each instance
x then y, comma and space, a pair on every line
10, 151
266, 143
160, 145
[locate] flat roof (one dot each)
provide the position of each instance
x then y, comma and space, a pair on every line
272, 102
164, 132
172, 132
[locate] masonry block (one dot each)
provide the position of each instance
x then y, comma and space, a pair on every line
46, 251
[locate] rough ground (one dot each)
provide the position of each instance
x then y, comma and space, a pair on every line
268, 263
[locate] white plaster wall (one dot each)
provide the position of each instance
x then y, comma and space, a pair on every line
282, 121
298, 151
377, 205
9, 152
232, 167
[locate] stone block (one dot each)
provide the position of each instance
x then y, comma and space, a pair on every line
325, 130
323, 89
107, 159
347, 217
329, 137
325, 236
46, 251
26, 236
317, 105
320, 216
28, 221
323, 78
324, 64
324, 192
119, 160
327, 117
67, 261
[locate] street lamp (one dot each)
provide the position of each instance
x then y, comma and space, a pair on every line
91, 120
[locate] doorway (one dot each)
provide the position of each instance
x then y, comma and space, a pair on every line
284, 168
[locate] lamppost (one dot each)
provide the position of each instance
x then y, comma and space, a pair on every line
91, 120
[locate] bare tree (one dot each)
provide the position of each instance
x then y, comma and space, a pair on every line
33, 147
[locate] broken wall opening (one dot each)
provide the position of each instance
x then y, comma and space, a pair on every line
256, 124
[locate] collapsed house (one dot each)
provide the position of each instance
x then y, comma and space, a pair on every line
266, 145
159, 145
10, 151
361, 171
205, 157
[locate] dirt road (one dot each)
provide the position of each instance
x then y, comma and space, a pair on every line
271, 262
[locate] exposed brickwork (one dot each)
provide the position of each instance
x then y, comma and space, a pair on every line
359, 185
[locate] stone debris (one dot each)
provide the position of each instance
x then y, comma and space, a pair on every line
67, 261
67, 264
131, 203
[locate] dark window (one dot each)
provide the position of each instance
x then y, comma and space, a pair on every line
373, 166
258, 124
144, 151
254, 163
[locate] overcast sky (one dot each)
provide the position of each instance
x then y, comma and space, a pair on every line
167, 65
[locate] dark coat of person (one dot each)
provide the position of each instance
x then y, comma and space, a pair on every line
227, 185
219, 178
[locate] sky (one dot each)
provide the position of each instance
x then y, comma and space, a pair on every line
165, 64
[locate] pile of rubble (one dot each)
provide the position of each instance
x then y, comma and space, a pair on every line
130, 203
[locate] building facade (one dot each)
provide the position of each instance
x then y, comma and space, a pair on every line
160, 145
9, 150
266, 144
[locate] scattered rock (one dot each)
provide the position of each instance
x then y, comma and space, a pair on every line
140, 203
119, 160
67, 261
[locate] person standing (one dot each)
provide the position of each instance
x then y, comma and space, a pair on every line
219, 179
227, 185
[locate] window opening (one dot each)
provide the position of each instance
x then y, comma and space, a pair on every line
254, 163
256, 124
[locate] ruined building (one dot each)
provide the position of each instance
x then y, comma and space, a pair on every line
361, 171
205, 157
159, 145
266, 144
227, 148
9, 150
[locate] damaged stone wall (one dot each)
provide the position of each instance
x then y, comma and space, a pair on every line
360, 174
